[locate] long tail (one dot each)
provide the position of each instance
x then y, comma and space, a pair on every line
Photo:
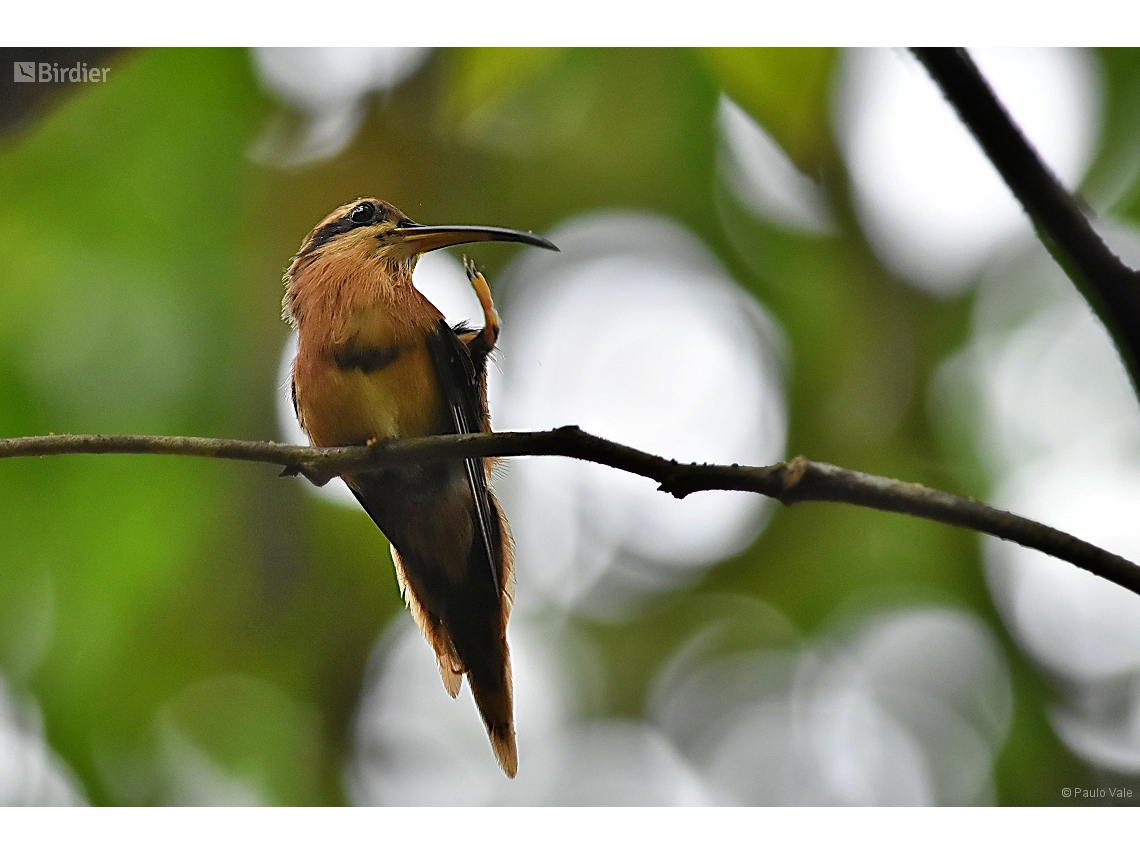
458, 601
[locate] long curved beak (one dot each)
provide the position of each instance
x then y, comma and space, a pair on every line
427, 238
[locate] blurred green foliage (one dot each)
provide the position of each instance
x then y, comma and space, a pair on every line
787, 91
161, 607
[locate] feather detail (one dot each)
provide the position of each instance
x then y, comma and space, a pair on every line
451, 670
503, 736
506, 556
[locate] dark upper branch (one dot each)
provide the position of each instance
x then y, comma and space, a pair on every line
1110, 286
799, 480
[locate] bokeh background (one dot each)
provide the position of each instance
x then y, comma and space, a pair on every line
766, 252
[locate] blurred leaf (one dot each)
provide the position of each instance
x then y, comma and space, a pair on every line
27, 612
235, 740
1114, 177
516, 100
787, 90
481, 79
481, 82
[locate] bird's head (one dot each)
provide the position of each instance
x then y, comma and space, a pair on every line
371, 228
371, 243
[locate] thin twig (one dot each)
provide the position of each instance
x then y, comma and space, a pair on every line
799, 480
1109, 285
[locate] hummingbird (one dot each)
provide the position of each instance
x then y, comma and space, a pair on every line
377, 361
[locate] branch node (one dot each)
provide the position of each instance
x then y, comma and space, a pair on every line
316, 477
791, 476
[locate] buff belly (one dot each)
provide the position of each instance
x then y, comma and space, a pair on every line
351, 407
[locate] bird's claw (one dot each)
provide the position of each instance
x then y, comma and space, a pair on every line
483, 292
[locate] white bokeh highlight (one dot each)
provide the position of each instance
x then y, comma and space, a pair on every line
1077, 625
1105, 728
414, 745
329, 88
931, 204
31, 774
1058, 427
904, 708
763, 178
635, 333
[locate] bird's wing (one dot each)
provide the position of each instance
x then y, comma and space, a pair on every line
460, 383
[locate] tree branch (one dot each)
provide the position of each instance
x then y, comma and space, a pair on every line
799, 480
1109, 285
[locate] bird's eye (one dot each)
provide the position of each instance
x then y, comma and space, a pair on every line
363, 213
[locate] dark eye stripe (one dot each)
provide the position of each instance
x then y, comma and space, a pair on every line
327, 233
336, 227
